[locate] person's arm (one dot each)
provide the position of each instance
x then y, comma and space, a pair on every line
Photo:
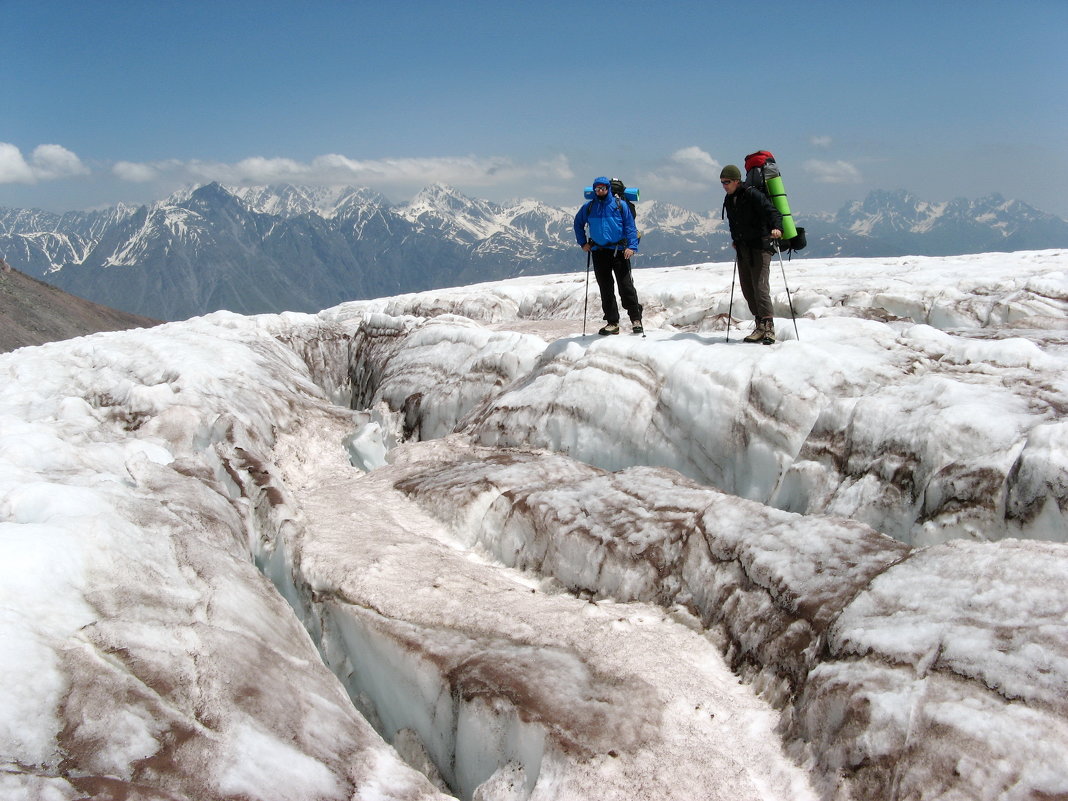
580, 225
773, 215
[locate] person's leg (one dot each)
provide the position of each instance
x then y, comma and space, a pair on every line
602, 270
762, 285
628, 295
748, 272
750, 261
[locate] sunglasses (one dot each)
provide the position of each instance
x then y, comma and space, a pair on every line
728, 181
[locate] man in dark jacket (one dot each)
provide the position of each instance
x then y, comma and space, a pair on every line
612, 239
754, 222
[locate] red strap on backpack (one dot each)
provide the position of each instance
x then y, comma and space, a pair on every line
758, 159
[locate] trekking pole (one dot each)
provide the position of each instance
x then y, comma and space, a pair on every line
793, 316
586, 302
730, 308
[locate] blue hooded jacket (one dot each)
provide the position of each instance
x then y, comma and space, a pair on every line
611, 225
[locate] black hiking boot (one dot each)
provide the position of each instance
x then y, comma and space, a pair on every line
611, 328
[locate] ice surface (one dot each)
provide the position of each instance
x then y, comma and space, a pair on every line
548, 566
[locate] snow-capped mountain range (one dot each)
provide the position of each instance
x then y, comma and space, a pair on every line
304, 248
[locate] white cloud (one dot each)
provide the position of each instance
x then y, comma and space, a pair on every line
820, 141
54, 161
13, 167
832, 172
689, 169
134, 173
335, 169
47, 163
698, 163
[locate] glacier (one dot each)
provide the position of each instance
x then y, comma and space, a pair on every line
444, 545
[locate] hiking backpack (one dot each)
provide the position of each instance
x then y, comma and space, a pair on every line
619, 189
760, 168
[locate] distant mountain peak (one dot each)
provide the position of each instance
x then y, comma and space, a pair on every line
440, 189
443, 207
292, 200
441, 196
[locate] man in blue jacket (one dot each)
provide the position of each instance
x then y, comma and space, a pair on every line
612, 239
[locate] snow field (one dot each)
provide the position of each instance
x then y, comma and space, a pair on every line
560, 592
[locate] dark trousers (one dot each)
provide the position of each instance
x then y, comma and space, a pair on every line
754, 271
606, 265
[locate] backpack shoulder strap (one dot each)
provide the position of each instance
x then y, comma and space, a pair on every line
619, 206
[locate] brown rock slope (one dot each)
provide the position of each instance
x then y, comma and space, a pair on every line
33, 312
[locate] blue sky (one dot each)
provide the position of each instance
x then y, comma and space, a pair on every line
111, 101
